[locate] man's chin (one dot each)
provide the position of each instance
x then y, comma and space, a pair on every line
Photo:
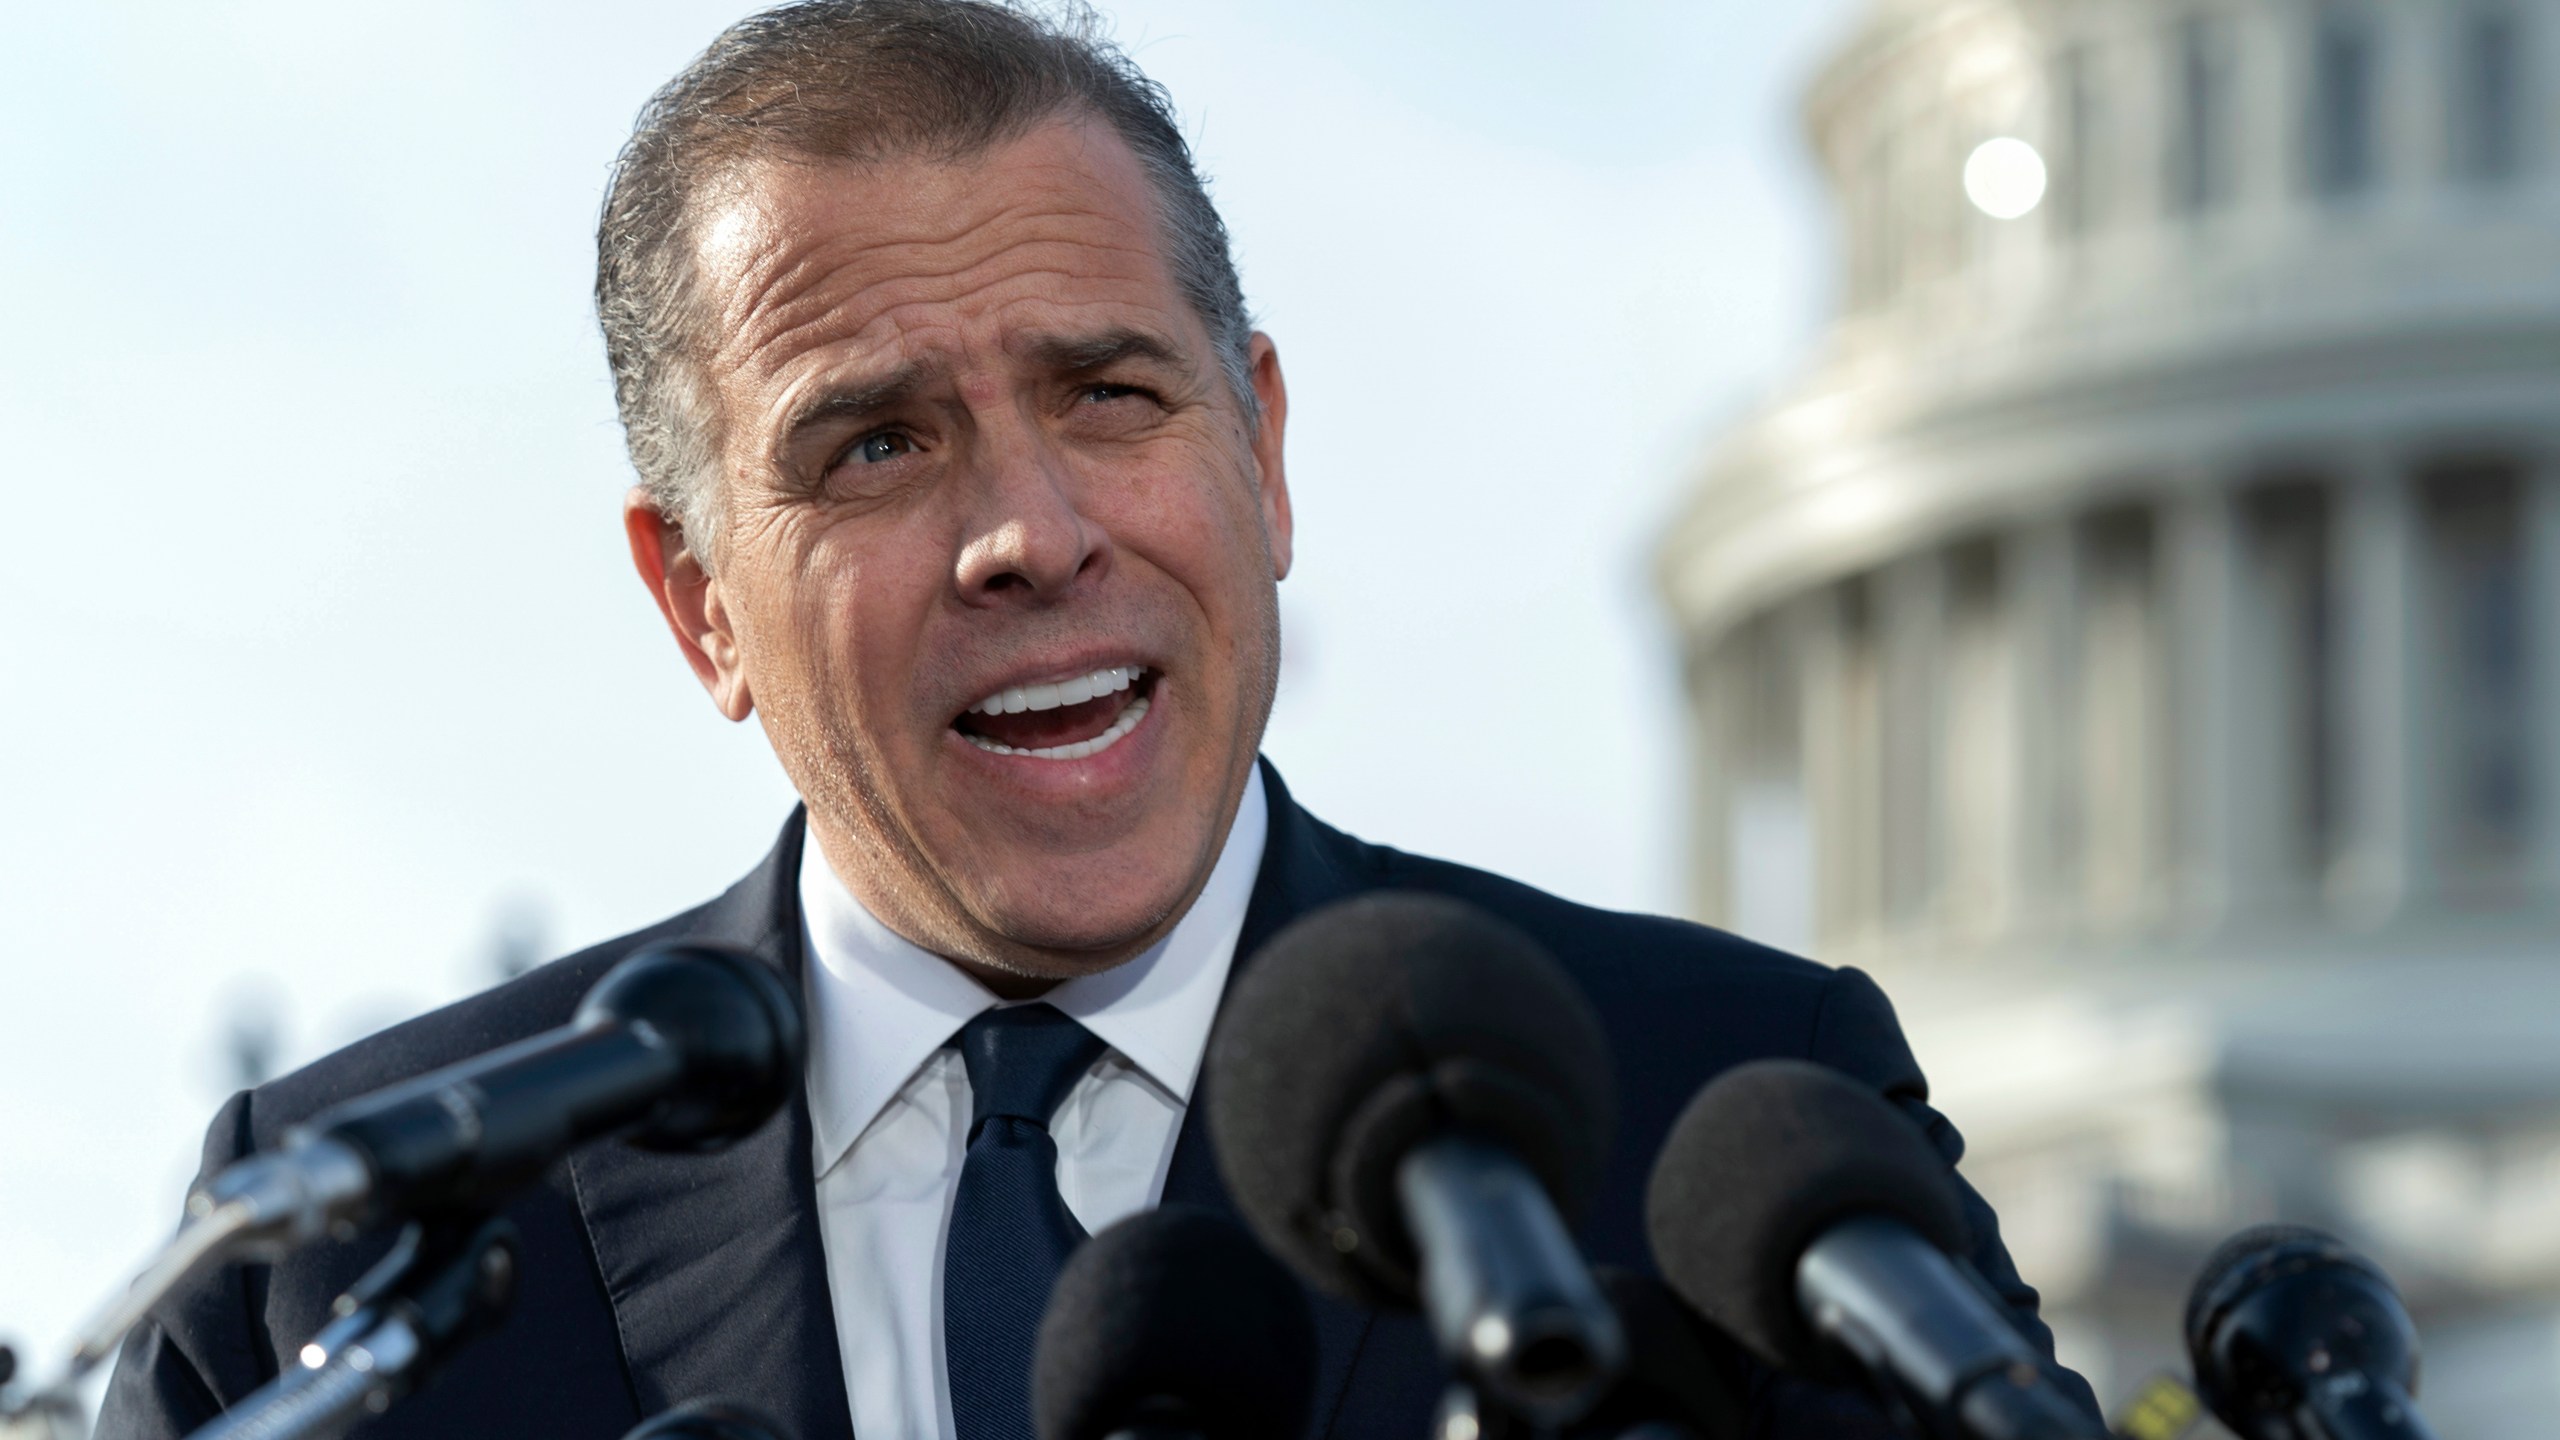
1050, 945
1064, 915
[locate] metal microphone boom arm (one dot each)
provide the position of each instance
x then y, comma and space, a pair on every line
447, 1281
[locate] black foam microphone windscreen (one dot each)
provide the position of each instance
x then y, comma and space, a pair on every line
1370, 1024
1174, 1318
2293, 1334
2240, 1264
1768, 1157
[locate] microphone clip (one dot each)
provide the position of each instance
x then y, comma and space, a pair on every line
448, 1279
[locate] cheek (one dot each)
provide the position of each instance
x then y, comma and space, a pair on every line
1203, 528
868, 615
825, 631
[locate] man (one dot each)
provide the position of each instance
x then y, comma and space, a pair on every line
961, 471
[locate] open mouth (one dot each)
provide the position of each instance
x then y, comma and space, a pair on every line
1065, 721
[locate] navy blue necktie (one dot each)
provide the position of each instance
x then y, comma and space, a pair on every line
1010, 1232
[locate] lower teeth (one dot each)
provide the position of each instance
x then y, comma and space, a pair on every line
1127, 722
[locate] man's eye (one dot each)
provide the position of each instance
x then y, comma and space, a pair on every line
885, 446
1099, 394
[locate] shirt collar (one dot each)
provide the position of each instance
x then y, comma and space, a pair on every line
881, 1005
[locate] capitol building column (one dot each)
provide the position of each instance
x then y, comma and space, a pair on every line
2541, 481
1839, 767
1711, 762
2044, 609
2212, 680
1911, 597
2382, 707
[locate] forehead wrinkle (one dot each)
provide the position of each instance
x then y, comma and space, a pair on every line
813, 291
916, 354
895, 325
780, 272
797, 302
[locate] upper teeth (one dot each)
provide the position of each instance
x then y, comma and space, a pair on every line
1065, 692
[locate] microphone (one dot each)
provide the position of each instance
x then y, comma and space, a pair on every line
682, 1046
1683, 1380
1803, 1214
2296, 1337
1407, 1097
1173, 1325
707, 1420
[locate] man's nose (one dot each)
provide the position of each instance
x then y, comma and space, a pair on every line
1027, 540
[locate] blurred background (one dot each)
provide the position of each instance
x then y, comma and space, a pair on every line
2136, 635
2050, 500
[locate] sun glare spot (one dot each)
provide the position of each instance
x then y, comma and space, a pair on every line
2004, 177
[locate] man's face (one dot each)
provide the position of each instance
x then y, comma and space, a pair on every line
1001, 543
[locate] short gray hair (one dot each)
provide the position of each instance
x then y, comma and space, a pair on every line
860, 80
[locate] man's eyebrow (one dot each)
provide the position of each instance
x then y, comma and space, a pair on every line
1076, 354
854, 402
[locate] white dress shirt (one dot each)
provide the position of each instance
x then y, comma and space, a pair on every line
889, 1102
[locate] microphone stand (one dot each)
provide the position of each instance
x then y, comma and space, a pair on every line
1507, 1291
447, 1280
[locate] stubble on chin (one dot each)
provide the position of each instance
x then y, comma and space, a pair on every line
872, 847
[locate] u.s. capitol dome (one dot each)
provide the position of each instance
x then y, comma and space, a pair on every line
2136, 636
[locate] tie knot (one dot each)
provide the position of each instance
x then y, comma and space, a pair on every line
1023, 1061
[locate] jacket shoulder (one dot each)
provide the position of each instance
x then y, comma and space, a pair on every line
1614, 949
1681, 1001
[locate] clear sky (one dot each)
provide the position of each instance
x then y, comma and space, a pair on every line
329, 669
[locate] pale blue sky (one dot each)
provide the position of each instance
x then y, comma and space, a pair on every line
327, 651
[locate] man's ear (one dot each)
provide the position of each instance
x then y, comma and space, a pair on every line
1273, 392
689, 598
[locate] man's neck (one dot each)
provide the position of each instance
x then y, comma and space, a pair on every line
1009, 977
1005, 984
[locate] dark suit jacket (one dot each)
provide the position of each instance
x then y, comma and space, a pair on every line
653, 1279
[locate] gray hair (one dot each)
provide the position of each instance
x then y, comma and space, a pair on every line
860, 80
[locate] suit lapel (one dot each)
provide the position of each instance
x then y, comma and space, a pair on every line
1304, 866
713, 1263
